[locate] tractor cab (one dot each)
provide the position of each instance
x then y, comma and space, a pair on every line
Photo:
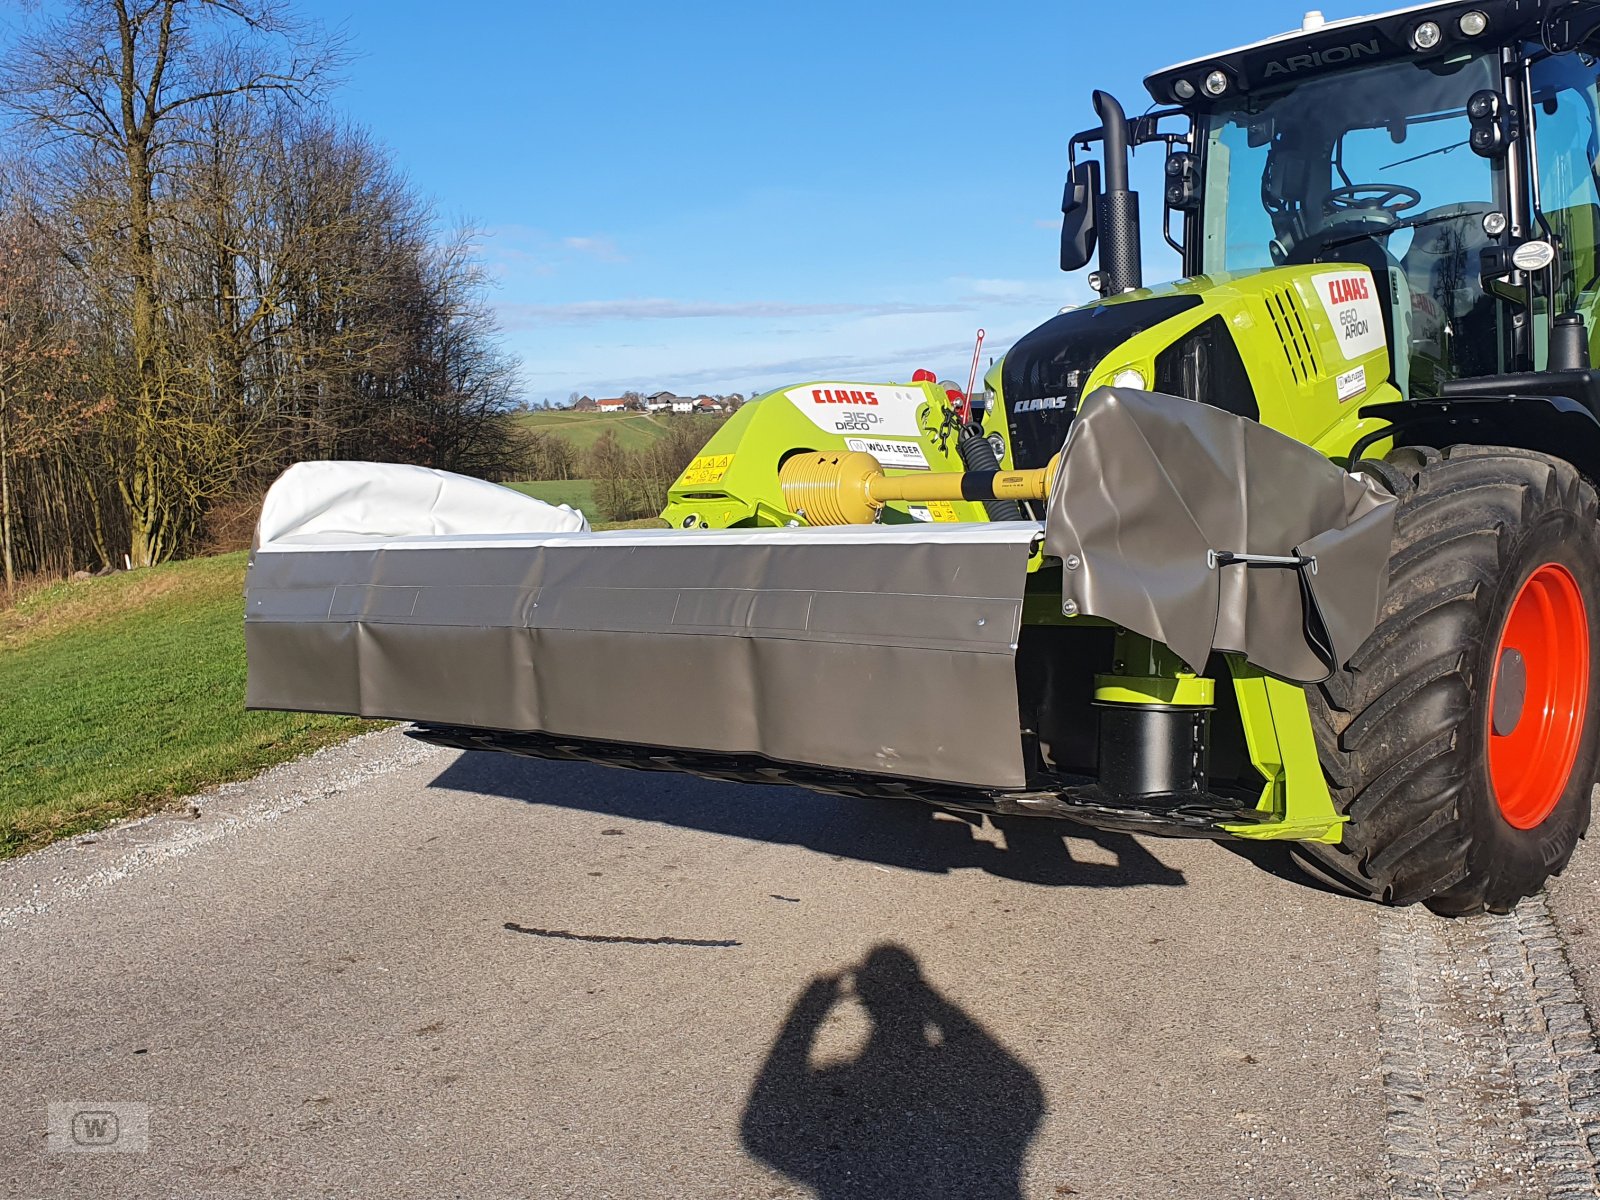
1449, 148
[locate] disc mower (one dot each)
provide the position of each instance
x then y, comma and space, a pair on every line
1302, 546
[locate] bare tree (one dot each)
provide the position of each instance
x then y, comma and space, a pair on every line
113, 91
209, 280
38, 411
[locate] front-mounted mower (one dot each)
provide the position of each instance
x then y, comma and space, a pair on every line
1301, 546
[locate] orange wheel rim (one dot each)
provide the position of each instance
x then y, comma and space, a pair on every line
1538, 695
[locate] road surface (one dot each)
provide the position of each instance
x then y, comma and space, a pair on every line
392, 970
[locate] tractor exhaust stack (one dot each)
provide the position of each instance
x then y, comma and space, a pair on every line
1121, 265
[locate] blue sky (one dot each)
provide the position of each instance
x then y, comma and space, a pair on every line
721, 197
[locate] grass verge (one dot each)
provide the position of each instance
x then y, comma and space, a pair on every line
119, 694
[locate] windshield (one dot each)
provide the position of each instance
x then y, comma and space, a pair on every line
1368, 166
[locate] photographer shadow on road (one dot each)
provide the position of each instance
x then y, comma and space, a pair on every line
899, 833
931, 1105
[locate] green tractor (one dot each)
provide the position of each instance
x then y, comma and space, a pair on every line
1302, 546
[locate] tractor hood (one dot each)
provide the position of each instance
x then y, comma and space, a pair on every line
1047, 372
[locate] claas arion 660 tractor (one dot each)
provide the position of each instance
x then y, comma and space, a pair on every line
1301, 546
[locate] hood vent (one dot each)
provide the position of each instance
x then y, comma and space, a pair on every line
1294, 331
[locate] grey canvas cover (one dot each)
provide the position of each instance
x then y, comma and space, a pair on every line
862, 649
1153, 493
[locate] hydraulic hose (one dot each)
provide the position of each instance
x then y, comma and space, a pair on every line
978, 454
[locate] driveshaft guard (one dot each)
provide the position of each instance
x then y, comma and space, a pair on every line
1152, 495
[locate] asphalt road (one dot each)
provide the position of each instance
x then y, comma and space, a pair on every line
396, 971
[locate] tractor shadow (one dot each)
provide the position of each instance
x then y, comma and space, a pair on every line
893, 833
1277, 859
930, 1103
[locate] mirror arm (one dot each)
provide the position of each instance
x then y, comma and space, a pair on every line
1166, 230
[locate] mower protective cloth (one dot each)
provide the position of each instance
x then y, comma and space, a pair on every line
1152, 489
888, 650
336, 501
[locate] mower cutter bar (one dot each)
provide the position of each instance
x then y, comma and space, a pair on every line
1205, 816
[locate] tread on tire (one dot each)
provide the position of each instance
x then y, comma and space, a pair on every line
1403, 730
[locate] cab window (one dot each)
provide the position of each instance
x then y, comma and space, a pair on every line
1564, 117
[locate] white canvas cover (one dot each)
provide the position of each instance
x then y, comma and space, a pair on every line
324, 503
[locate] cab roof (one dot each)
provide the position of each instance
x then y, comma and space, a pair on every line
1319, 45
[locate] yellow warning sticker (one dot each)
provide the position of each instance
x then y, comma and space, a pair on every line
942, 510
708, 468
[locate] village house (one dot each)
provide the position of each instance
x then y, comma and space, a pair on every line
614, 404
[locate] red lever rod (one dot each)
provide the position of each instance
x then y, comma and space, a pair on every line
972, 380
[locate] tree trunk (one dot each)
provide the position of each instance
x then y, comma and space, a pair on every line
5, 504
142, 490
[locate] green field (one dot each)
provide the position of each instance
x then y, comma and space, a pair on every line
577, 492
634, 431
120, 693
580, 494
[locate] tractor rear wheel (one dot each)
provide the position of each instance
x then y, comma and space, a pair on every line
1459, 740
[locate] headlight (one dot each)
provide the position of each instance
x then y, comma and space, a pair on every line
1130, 377
1183, 90
1426, 36
1473, 23
1216, 83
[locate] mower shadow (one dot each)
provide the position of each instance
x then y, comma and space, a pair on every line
895, 833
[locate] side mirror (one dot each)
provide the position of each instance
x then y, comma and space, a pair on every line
1078, 205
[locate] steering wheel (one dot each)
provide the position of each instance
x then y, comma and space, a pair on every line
1390, 199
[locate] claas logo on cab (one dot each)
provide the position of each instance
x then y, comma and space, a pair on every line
1348, 289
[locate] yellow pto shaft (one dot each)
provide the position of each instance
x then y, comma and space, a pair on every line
851, 488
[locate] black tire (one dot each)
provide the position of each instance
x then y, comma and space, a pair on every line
1404, 731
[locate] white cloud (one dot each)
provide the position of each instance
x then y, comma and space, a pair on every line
603, 347
522, 316
602, 248
864, 348
1013, 291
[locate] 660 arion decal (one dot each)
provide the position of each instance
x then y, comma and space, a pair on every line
1350, 299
